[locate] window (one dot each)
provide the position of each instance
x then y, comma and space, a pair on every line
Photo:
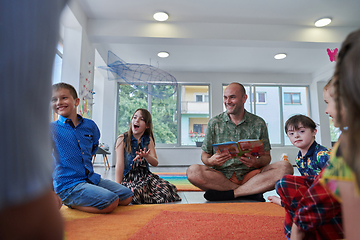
57, 67
56, 73
197, 128
201, 98
197, 134
130, 99
182, 119
194, 114
274, 108
164, 122
292, 98
169, 127
260, 97
206, 98
289, 110
270, 111
162, 111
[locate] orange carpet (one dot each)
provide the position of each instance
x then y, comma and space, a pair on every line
179, 221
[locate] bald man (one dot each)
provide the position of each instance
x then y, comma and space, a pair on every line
224, 177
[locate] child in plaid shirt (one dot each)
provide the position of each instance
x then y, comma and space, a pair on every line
311, 210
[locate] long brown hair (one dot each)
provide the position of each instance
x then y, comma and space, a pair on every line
347, 96
149, 131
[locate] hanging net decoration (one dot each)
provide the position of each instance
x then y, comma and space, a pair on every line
146, 78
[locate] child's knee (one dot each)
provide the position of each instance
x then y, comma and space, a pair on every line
111, 207
126, 201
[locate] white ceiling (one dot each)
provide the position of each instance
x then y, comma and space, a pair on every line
222, 36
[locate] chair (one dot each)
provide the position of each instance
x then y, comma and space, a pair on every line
104, 153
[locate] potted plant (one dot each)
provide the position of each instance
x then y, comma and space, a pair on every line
198, 138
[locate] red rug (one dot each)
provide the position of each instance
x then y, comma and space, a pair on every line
179, 221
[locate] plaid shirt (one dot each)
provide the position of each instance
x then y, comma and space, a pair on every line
310, 206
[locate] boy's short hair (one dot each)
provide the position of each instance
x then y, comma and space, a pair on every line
71, 89
295, 120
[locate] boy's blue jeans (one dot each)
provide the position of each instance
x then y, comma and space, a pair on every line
90, 195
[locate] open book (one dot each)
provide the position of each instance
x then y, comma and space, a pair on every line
237, 149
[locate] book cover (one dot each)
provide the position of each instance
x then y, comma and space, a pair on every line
229, 147
237, 149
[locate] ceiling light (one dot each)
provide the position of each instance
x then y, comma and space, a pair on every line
280, 56
163, 54
322, 22
161, 16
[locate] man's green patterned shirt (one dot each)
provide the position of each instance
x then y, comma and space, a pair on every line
221, 129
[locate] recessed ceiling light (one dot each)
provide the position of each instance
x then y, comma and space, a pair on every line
280, 56
163, 54
322, 22
161, 16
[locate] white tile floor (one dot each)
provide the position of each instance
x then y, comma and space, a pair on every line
187, 197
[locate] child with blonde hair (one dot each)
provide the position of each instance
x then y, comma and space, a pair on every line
334, 196
342, 176
312, 212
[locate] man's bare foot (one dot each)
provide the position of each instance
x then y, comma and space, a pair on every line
275, 199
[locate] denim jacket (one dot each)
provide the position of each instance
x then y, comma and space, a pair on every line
128, 157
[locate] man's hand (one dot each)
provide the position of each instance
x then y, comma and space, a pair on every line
219, 159
249, 160
257, 162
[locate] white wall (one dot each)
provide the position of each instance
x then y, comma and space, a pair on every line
71, 34
99, 92
71, 57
